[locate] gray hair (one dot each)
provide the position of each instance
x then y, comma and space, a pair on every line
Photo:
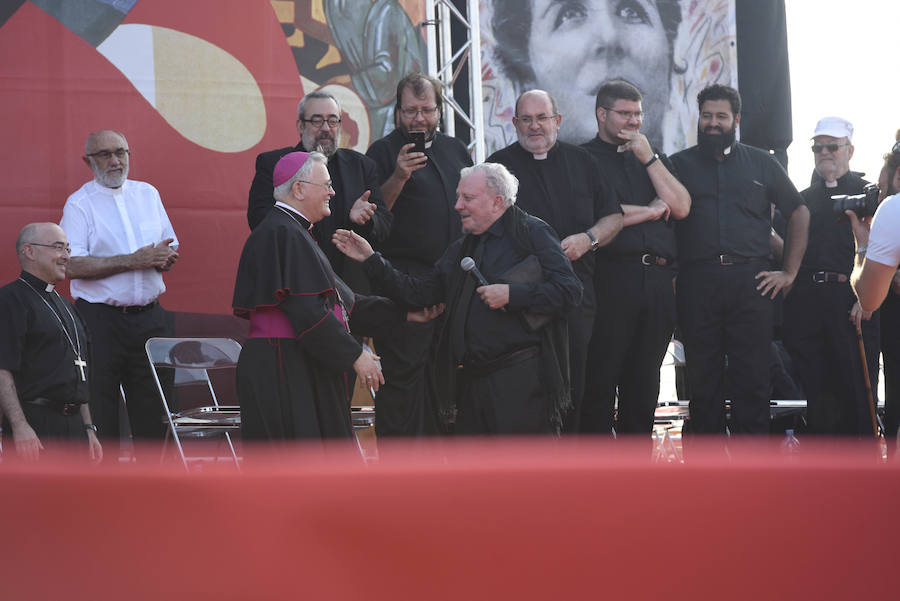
94, 134
25, 237
283, 191
497, 178
301, 108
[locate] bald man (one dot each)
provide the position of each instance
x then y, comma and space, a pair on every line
44, 354
122, 243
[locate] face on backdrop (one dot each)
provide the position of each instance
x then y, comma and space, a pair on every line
577, 46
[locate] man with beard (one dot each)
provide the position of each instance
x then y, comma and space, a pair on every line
572, 48
562, 184
725, 293
44, 352
504, 371
633, 274
357, 202
420, 191
876, 279
821, 315
122, 243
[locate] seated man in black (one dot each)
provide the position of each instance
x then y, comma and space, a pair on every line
510, 336
43, 366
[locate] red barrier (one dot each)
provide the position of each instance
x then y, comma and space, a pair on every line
486, 520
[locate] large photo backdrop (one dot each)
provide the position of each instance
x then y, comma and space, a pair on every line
669, 49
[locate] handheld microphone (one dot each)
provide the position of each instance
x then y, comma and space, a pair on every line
468, 265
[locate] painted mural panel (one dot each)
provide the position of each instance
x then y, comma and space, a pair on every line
199, 88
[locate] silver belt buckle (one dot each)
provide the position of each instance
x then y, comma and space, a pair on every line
724, 261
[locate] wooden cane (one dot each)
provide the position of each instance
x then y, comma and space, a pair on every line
865, 367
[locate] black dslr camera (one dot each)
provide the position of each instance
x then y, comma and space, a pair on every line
863, 205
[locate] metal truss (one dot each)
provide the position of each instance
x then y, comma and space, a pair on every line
446, 63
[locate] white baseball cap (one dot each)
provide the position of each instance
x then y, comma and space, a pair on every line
834, 127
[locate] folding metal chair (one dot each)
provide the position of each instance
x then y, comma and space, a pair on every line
192, 359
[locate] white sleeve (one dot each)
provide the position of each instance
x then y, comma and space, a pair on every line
167, 230
75, 224
884, 239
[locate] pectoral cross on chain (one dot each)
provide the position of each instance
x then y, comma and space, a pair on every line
81, 364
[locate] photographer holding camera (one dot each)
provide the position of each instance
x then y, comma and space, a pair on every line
821, 315
875, 277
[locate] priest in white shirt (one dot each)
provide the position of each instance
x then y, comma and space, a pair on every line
122, 242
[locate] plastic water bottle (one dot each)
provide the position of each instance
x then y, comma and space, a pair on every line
790, 445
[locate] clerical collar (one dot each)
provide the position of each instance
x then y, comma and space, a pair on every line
36, 282
111, 191
428, 143
286, 207
829, 184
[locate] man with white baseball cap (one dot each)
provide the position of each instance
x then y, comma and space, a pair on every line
821, 315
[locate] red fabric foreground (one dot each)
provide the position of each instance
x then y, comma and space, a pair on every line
486, 520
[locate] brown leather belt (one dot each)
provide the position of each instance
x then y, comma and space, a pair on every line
829, 277
66, 409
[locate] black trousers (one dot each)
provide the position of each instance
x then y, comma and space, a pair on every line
508, 401
825, 349
723, 318
890, 354
118, 356
632, 329
580, 322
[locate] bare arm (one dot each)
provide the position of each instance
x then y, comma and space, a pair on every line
667, 186
635, 214
776, 246
773, 282
159, 256
94, 449
28, 446
606, 228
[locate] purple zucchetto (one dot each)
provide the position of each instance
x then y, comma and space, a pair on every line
287, 166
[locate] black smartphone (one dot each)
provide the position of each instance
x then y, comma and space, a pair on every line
418, 138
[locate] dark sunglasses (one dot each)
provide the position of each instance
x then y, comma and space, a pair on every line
817, 148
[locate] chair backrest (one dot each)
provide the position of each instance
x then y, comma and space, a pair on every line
192, 358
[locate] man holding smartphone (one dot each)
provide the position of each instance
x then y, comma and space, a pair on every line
419, 188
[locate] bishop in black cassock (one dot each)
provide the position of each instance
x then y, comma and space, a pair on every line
291, 375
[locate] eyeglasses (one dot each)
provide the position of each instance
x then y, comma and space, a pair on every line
105, 155
317, 121
541, 120
413, 113
627, 114
58, 246
817, 148
327, 185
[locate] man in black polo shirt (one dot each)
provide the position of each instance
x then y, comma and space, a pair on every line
633, 273
562, 184
725, 293
420, 191
821, 313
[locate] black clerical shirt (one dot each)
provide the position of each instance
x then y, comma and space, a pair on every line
34, 347
492, 333
425, 222
629, 180
831, 246
730, 202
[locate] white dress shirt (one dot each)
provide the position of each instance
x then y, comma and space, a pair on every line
105, 222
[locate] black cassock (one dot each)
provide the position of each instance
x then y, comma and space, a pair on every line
298, 387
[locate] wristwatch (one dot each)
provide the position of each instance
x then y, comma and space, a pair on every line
90, 427
594, 244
